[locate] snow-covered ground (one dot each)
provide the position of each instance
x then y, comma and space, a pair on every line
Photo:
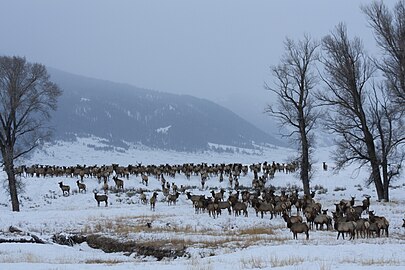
227, 242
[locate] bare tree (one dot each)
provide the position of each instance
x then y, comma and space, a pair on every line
389, 32
387, 125
27, 96
294, 80
348, 72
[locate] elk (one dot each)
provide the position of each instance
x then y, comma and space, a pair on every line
291, 220
263, 207
144, 179
322, 219
374, 228
297, 228
105, 185
201, 204
359, 209
153, 200
239, 207
174, 188
347, 203
101, 198
382, 222
194, 198
81, 186
366, 203
213, 209
172, 198
345, 227
310, 214
65, 189
142, 197
225, 205
219, 196
233, 197
362, 227
119, 183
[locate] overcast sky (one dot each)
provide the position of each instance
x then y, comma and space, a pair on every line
219, 50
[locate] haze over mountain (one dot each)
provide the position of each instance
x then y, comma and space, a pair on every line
218, 50
123, 113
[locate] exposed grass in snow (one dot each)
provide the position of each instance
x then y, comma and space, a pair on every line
103, 261
379, 261
270, 261
188, 235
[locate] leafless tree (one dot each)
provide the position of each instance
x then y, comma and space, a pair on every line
389, 135
26, 98
356, 114
294, 81
389, 32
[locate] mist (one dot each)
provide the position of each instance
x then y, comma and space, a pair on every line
218, 50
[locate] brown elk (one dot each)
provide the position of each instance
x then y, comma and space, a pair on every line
65, 189
297, 228
239, 207
291, 220
153, 200
119, 183
101, 198
382, 222
345, 227
144, 179
322, 219
81, 186
172, 198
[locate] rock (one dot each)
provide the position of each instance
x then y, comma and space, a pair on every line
13, 229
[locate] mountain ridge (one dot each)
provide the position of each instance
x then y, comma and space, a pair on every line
121, 112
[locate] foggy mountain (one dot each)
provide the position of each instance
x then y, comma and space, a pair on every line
122, 113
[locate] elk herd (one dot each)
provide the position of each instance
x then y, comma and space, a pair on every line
346, 219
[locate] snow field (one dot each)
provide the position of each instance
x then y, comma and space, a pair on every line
227, 242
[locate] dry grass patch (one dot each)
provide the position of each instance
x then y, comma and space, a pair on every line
182, 242
324, 266
265, 262
252, 263
136, 227
172, 242
103, 261
372, 261
31, 258
234, 241
282, 262
256, 231
21, 258
126, 225
196, 264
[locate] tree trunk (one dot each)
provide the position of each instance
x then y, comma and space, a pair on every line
304, 173
376, 176
375, 164
386, 191
386, 180
12, 184
304, 160
12, 181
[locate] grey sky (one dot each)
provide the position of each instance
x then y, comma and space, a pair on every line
219, 50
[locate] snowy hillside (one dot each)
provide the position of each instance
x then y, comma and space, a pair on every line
122, 113
226, 242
